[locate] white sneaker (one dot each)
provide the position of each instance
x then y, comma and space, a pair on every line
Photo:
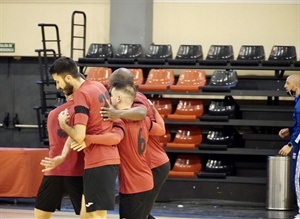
297, 216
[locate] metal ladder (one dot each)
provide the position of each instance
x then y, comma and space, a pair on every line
53, 50
79, 37
50, 51
53, 41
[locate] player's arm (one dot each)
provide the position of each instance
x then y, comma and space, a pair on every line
77, 132
134, 113
108, 139
51, 163
158, 126
111, 138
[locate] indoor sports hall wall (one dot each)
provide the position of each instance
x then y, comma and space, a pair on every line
246, 22
19, 21
175, 22
236, 22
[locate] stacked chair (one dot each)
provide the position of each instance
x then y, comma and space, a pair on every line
99, 74
250, 55
98, 53
163, 106
218, 55
222, 81
187, 110
187, 55
127, 54
221, 110
186, 138
281, 56
189, 81
158, 80
186, 166
138, 76
217, 168
157, 54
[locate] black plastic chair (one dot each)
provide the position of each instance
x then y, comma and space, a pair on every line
157, 54
220, 166
227, 78
98, 53
225, 107
221, 110
222, 81
187, 54
220, 136
250, 55
281, 56
218, 55
127, 53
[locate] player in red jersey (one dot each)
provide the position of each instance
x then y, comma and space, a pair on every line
101, 162
67, 178
135, 176
156, 157
136, 181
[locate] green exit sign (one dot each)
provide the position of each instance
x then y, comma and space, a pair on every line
7, 47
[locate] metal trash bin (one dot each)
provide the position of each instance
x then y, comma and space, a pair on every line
279, 189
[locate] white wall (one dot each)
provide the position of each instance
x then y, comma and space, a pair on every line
236, 22
227, 23
19, 22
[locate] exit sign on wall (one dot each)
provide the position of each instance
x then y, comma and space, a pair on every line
7, 47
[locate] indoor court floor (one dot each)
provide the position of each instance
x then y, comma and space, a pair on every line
201, 209
21, 213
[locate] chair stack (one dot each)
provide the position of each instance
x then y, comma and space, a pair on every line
98, 53
127, 54
186, 138
99, 74
190, 54
186, 166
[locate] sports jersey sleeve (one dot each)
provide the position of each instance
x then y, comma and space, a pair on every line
104, 139
110, 138
139, 104
119, 127
139, 101
81, 108
158, 127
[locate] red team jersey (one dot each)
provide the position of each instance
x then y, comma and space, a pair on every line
88, 99
73, 165
155, 154
134, 173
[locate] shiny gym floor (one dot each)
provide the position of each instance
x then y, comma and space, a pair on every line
201, 209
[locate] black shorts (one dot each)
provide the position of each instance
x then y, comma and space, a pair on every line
99, 187
52, 190
160, 174
133, 206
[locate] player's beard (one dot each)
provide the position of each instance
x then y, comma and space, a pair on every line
68, 90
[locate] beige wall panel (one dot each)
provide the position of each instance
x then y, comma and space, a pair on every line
174, 23
19, 23
235, 24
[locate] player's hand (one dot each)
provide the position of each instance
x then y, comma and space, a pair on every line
63, 116
51, 163
284, 132
78, 146
110, 113
285, 150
